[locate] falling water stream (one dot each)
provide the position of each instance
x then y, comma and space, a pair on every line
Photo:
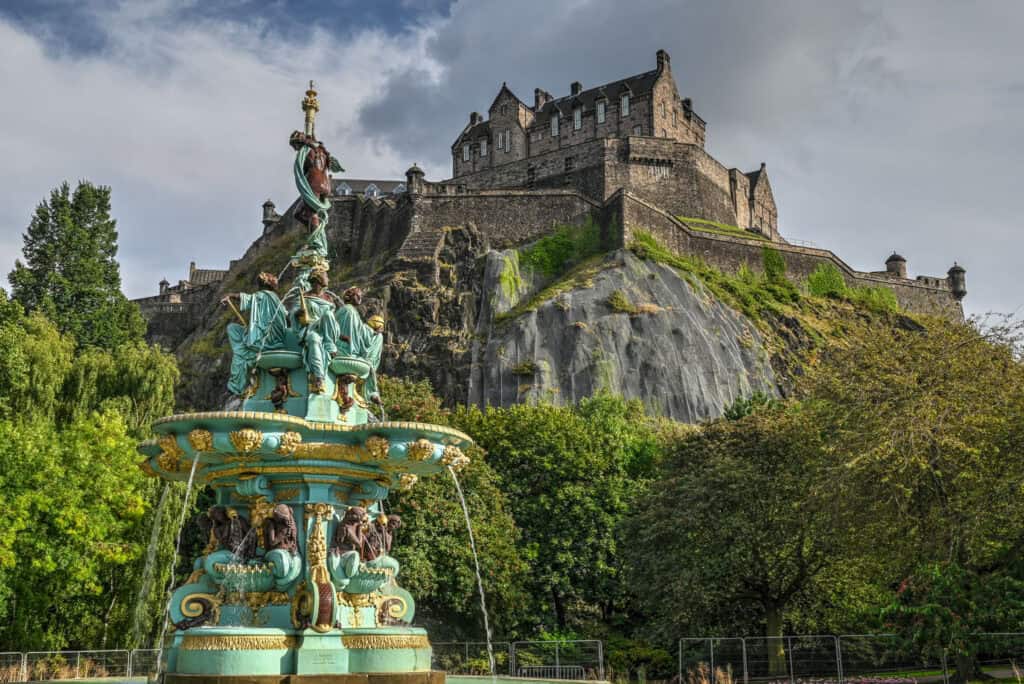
147, 572
476, 566
174, 560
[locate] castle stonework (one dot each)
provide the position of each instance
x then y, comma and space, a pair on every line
628, 156
635, 134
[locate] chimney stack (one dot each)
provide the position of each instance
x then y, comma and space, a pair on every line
540, 98
474, 118
664, 61
575, 88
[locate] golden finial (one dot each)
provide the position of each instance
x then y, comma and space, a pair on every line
310, 106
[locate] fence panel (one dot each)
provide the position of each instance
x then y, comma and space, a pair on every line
48, 665
558, 659
470, 657
999, 655
864, 655
12, 667
144, 662
713, 660
792, 657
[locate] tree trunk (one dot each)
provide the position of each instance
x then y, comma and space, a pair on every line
776, 649
559, 604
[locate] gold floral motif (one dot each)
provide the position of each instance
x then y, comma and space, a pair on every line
286, 494
169, 444
257, 599
201, 440
316, 549
420, 450
238, 642
454, 458
358, 600
246, 440
407, 481
169, 462
382, 641
378, 448
289, 440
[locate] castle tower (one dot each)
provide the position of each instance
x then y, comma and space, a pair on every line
896, 266
958, 281
270, 215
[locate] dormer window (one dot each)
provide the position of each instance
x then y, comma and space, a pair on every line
483, 147
399, 189
554, 125
601, 105
624, 105
465, 152
342, 189
577, 118
371, 191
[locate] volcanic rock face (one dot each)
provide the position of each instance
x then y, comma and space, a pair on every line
630, 327
634, 328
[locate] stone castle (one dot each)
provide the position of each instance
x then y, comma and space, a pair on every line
627, 155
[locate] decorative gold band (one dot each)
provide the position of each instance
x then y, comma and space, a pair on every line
250, 642
385, 641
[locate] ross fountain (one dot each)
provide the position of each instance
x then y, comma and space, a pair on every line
297, 578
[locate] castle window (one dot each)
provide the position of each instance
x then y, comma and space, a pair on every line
662, 110
601, 111
508, 140
531, 177
638, 130
501, 140
673, 116
465, 152
483, 147
624, 106
504, 109
342, 189
577, 118
554, 125
372, 190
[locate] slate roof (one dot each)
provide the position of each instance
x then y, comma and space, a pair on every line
635, 85
479, 130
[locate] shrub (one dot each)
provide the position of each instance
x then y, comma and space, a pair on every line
826, 281
568, 245
774, 265
618, 301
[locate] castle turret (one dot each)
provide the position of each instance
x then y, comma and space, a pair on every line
958, 281
270, 215
414, 180
164, 285
896, 266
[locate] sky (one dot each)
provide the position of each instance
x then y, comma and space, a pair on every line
885, 126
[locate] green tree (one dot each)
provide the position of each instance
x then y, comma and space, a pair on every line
570, 474
737, 529
433, 543
926, 427
71, 272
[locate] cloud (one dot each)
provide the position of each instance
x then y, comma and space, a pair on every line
884, 125
188, 123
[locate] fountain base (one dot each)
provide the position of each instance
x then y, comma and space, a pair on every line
215, 654
429, 677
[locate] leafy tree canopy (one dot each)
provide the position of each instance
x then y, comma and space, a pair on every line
70, 272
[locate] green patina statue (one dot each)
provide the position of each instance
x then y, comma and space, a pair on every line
317, 330
265, 330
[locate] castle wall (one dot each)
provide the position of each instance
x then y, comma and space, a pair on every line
926, 295
505, 218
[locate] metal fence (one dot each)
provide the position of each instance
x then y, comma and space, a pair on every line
583, 659
843, 658
569, 660
470, 657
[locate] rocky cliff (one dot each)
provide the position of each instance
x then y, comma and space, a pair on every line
492, 328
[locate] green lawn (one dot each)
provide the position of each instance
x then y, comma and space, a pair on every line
720, 228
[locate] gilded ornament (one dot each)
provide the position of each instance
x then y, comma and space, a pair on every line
201, 440
454, 458
325, 451
302, 605
420, 450
194, 605
146, 467
407, 481
289, 441
239, 642
286, 494
385, 641
169, 462
316, 550
246, 440
260, 510
169, 444
377, 447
